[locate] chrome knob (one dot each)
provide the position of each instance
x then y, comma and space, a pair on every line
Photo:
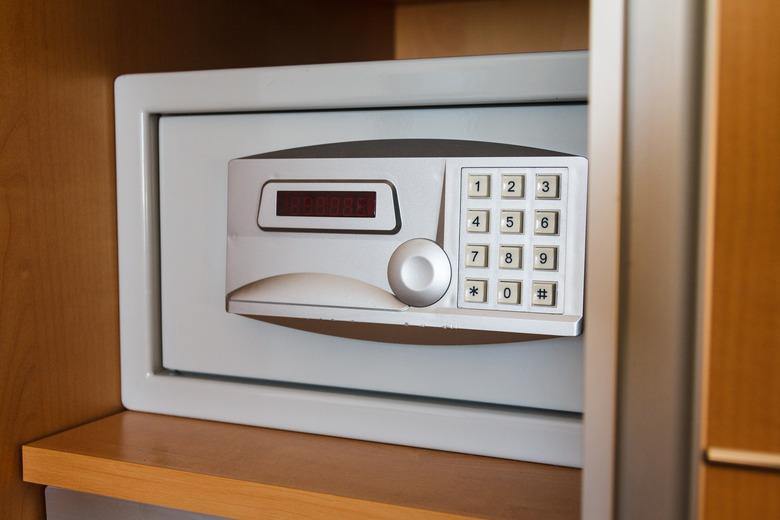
419, 272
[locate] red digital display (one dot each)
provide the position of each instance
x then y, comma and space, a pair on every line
360, 204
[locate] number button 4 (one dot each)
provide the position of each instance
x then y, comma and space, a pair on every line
479, 186
512, 186
546, 223
477, 220
510, 257
545, 258
476, 256
511, 221
548, 186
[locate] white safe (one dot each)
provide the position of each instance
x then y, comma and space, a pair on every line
396, 255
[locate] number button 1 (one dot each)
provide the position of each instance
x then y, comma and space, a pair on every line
512, 186
479, 186
545, 258
546, 223
548, 186
477, 220
511, 221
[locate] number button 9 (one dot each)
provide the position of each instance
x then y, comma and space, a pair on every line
545, 258
512, 186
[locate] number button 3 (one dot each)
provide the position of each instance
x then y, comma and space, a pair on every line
548, 186
477, 220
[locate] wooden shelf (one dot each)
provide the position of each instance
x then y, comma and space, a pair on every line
240, 471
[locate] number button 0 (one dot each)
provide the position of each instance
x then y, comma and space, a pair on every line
548, 186
479, 186
511, 221
545, 258
546, 223
476, 256
512, 186
475, 290
510, 257
477, 220
543, 294
508, 292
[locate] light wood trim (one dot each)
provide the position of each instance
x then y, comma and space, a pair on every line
233, 470
198, 492
463, 28
753, 459
740, 360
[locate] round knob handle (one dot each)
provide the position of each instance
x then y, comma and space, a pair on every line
419, 272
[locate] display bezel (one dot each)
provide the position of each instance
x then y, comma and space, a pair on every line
387, 219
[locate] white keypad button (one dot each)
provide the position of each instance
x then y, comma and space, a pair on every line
479, 186
511, 221
477, 220
510, 257
545, 258
476, 256
475, 291
548, 186
543, 294
508, 292
512, 186
546, 223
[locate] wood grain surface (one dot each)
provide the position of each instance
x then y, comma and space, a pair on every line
742, 399
462, 28
235, 471
59, 353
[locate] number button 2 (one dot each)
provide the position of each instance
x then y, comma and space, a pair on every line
512, 186
477, 220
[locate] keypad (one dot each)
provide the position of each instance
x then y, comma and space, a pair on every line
513, 238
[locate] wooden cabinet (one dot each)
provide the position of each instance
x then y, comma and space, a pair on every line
741, 367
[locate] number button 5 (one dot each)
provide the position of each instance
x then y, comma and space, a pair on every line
477, 220
511, 221
512, 186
